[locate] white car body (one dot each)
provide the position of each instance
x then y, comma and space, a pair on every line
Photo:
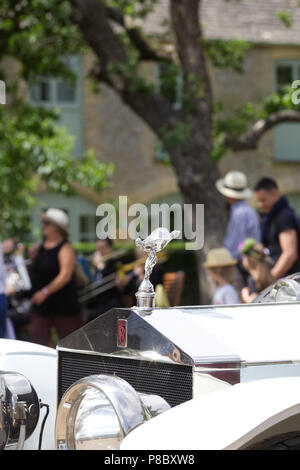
39, 365
221, 416
202, 350
226, 419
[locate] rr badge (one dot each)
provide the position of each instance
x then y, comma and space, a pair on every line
122, 334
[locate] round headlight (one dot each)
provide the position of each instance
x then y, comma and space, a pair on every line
19, 408
97, 412
285, 290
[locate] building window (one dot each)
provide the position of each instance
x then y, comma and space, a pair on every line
65, 96
40, 92
87, 228
286, 135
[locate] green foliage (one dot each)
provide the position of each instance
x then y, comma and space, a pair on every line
285, 17
227, 54
38, 33
34, 149
88, 248
235, 123
219, 146
178, 135
134, 8
279, 101
130, 72
169, 77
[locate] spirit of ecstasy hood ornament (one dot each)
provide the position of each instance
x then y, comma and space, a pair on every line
154, 243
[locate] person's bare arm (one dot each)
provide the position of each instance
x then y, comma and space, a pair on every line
289, 253
246, 297
67, 261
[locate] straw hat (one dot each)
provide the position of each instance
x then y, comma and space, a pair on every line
219, 257
234, 185
58, 218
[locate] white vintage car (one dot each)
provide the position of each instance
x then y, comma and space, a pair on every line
207, 377
27, 395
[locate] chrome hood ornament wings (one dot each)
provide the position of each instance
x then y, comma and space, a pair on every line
154, 243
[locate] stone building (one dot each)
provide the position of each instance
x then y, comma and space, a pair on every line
102, 122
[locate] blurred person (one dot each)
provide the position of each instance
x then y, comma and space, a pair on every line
131, 282
33, 251
103, 258
8, 245
243, 219
84, 265
19, 305
104, 261
10, 248
280, 228
54, 300
258, 264
221, 267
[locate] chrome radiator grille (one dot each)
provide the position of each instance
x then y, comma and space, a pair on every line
173, 382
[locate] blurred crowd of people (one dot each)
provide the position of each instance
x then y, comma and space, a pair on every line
58, 290
65, 290
259, 246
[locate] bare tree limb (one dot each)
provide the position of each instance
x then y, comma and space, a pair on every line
251, 139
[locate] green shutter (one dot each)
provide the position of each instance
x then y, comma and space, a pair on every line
66, 97
286, 135
287, 142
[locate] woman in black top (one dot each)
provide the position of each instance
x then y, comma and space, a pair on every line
54, 299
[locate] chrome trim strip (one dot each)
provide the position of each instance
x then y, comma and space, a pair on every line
198, 362
244, 364
161, 359
269, 363
197, 366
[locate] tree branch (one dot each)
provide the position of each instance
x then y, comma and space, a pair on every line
146, 50
185, 21
251, 139
92, 18
185, 18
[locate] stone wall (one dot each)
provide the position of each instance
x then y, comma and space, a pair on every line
254, 84
122, 138
119, 136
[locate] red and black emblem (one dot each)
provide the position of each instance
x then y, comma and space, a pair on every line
122, 334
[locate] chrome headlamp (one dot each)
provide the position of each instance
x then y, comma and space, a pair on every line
97, 412
285, 290
19, 409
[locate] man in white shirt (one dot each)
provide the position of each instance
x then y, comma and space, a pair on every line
243, 220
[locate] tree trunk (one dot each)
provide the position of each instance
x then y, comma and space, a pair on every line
196, 175
196, 172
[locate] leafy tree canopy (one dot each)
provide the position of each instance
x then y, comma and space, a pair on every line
37, 34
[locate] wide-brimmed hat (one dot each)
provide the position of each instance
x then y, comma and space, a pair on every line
56, 217
218, 258
234, 185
